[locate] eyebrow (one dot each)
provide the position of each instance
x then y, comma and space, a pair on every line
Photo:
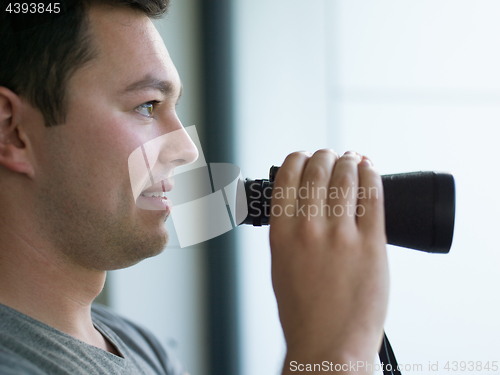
150, 82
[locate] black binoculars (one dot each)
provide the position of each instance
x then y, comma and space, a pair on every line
419, 208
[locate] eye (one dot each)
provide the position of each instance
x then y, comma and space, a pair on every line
147, 109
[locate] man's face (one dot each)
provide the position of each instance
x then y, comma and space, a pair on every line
122, 99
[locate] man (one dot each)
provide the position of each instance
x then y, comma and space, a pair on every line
78, 94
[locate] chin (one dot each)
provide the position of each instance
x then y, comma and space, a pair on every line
129, 251
152, 249
130, 261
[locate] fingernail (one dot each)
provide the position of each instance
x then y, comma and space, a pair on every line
366, 162
349, 153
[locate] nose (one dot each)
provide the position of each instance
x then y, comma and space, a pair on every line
155, 161
167, 152
177, 149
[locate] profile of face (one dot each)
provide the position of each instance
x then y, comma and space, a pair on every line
121, 100
208, 200
152, 172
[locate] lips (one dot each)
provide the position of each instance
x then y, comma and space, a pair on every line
155, 198
155, 194
160, 187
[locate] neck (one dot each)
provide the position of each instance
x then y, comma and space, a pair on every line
37, 283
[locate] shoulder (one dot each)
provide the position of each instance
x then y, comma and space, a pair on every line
18, 338
13, 364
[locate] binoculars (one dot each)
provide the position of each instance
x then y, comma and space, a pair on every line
419, 208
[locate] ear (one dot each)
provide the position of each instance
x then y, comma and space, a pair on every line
14, 152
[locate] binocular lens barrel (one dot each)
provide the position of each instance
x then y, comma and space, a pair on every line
419, 208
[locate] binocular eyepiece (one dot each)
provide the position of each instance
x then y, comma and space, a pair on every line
419, 208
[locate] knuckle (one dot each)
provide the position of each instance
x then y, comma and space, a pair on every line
318, 172
341, 235
370, 172
303, 235
309, 233
298, 155
326, 152
284, 177
344, 179
351, 157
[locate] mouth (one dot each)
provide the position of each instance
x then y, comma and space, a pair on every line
155, 198
155, 194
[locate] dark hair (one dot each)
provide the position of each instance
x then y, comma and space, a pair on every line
37, 61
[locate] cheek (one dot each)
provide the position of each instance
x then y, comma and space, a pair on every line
108, 162
100, 143
120, 131
102, 146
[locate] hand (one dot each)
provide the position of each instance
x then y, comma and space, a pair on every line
329, 264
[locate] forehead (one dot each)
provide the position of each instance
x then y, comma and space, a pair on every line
128, 46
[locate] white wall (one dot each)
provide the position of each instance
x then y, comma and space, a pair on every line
167, 293
415, 85
281, 107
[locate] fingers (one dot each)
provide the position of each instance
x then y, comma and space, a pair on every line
313, 191
371, 217
286, 184
344, 188
303, 182
320, 269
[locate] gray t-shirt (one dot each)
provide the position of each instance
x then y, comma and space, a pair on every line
30, 347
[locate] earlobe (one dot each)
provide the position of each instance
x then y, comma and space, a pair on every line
14, 153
